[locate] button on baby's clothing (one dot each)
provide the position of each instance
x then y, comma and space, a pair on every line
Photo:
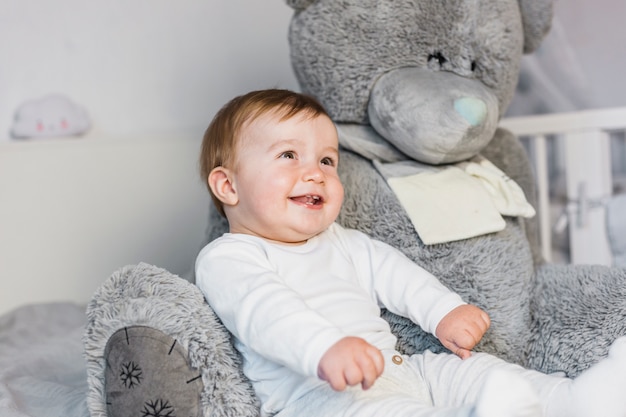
397, 359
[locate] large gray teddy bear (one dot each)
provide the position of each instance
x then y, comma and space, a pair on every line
417, 88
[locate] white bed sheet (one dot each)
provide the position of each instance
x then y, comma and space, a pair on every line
42, 368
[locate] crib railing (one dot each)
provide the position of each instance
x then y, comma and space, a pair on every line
585, 140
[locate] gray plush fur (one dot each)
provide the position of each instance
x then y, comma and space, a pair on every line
578, 311
144, 295
371, 37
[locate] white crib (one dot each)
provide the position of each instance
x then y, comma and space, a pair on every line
584, 138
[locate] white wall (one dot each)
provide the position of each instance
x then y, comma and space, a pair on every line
581, 63
596, 31
151, 74
141, 65
74, 211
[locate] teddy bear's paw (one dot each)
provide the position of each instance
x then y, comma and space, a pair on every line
148, 374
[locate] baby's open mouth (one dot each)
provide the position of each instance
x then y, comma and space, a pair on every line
309, 200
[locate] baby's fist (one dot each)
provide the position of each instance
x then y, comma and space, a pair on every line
351, 361
462, 328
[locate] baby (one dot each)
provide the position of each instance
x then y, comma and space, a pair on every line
302, 295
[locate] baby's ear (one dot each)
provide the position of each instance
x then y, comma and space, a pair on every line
220, 182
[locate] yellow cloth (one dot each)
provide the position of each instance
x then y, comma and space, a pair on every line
460, 201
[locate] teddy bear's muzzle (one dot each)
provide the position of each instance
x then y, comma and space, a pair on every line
435, 117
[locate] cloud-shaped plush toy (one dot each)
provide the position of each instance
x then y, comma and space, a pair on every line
51, 116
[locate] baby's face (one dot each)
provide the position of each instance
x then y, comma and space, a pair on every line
286, 179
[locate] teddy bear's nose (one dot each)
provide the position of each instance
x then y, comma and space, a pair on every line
472, 109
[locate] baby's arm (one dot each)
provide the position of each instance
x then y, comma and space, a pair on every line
462, 328
264, 314
351, 361
406, 289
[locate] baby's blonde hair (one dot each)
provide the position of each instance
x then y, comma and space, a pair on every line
223, 134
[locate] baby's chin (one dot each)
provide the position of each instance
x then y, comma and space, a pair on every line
290, 233
293, 240
296, 237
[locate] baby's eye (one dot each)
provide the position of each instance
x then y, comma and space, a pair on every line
328, 161
288, 155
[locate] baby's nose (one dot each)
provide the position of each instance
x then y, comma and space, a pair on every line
314, 174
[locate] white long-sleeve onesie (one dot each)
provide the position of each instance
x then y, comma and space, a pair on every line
287, 305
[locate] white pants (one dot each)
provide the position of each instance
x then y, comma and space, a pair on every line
436, 385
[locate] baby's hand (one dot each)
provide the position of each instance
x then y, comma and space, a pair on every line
351, 361
462, 328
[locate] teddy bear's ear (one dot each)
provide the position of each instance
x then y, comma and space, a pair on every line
299, 4
536, 18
